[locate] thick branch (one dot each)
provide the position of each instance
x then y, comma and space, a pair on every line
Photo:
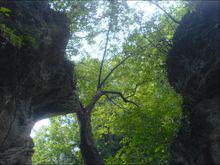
168, 14
99, 94
94, 100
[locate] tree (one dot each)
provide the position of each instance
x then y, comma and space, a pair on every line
140, 53
58, 147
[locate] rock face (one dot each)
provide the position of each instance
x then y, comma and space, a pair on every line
36, 80
193, 66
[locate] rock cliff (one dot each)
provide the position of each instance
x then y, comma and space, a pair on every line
193, 67
36, 80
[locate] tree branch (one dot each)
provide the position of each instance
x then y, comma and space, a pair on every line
156, 46
135, 89
115, 104
121, 95
168, 14
103, 59
94, 100
99, 94
113, 69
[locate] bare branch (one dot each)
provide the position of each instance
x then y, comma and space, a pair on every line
99, 94
168, 14
121, 95
113, 69
103, 59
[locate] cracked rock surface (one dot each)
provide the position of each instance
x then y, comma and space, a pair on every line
36, 80
193, 67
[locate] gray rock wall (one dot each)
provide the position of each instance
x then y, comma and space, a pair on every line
36, 80
193, 67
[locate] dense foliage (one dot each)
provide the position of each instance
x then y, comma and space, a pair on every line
136, 132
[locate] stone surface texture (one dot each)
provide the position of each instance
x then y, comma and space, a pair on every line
193, 67
36, 79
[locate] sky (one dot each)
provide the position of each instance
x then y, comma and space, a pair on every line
148, 10
144, 6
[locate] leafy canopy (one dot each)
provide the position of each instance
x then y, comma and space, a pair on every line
124, 133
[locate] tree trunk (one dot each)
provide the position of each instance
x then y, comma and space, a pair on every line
87, 145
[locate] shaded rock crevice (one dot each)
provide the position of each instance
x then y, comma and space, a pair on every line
193, 67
